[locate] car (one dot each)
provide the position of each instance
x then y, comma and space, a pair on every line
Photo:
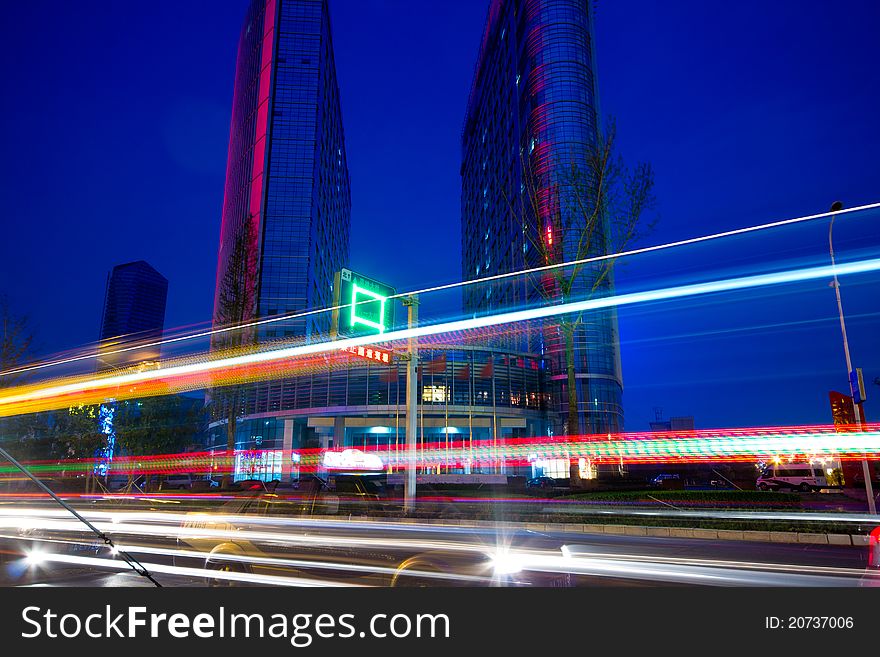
178, 482
662, 479
804, 477
123, 483
541, 483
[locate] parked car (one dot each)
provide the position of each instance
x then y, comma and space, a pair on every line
792, 476
178, 482
541, 483
123, 483
665, 480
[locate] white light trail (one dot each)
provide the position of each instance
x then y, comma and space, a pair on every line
695, 289
449, 286
575, 558
153, 568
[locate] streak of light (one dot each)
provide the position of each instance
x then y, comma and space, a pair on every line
575, 559
461, 538
278, 562
238, 533
184, 571
37, 556
582, 550
173, 377
807, 443
448, 286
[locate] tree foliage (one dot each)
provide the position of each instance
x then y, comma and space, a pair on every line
158, 425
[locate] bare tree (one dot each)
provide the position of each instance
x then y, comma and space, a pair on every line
15, 342
236, 304
577, 211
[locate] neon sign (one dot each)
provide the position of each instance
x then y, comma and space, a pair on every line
352, 459
371, 353
364, 306
356, 319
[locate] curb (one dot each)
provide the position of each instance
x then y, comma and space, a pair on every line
857, 540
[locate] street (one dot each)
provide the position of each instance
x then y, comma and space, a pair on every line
43, 545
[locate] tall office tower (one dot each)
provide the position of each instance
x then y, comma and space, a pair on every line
532, 116
134, 310
287, 202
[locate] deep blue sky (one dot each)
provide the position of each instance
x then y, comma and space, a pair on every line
115, 123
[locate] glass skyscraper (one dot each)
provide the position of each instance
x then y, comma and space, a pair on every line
287, 203
134, 309
286, 211
531, 115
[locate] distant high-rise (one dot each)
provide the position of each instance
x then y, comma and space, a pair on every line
134, 310
532, 117
287, 203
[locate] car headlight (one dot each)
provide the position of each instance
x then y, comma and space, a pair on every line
504, 562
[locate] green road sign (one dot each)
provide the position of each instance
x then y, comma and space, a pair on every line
364, 305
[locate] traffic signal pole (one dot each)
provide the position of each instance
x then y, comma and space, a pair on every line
412, 406
857, 407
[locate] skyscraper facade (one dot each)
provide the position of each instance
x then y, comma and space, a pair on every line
287, 203
286, 215
134, 309
531, 120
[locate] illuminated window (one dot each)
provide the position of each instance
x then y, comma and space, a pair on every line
258, 464
434, 394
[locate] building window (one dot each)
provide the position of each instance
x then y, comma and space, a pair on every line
434, 394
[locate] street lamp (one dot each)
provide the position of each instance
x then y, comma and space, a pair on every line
837, 206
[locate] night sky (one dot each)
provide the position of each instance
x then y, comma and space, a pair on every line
116, 120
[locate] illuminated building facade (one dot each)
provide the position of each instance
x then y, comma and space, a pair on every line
467, 395
531, 114
285, 232
287, 203
134, 309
